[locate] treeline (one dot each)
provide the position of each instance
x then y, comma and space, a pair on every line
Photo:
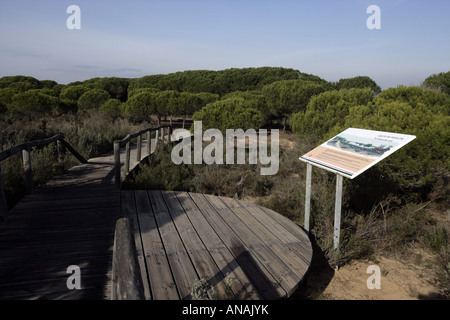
154, 94
274, 92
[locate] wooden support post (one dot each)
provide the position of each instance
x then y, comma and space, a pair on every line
149, 142
337, 211
3, 205
156, 138
127, 156
26, 157
308, 196
139, 147
117, 162
74, 152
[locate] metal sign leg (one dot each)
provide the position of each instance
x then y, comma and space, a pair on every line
337, 211
308, 196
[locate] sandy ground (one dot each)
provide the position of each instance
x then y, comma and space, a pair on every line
399, 280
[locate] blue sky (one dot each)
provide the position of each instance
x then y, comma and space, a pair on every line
137, 38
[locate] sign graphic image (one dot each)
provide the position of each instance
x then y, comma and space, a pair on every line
353, 151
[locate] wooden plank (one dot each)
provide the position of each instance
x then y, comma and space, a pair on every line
182, 269
12, 232
241, 285
67, 205
55, 288
287, 223
256, 271
53, 192
129, 211
279, 270
85, 217
159, 273
201, 258
126, 275
289, 258
51, 273
302, 249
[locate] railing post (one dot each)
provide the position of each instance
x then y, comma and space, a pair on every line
26, 157
117, 162
3, 205
139, 146
156, 138
127, 156
61, 155
149, 142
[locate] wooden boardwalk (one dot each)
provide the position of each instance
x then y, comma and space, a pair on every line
69, 221
182, 238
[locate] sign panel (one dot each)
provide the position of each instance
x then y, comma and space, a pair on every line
353, 151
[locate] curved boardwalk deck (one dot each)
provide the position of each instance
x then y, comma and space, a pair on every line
182, 237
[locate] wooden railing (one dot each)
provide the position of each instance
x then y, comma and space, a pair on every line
26, 149
126, 274
126, 142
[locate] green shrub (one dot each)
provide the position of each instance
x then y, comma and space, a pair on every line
231, 113
141, 106
360, 82
93, 99
440, 81
289, 96
112, 108
73, 92
436, 239
6, 95
328, 109
33, 101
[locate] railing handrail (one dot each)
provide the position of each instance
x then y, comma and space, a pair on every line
126, 142
26, 145
141, 132
40, 143
26, 149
